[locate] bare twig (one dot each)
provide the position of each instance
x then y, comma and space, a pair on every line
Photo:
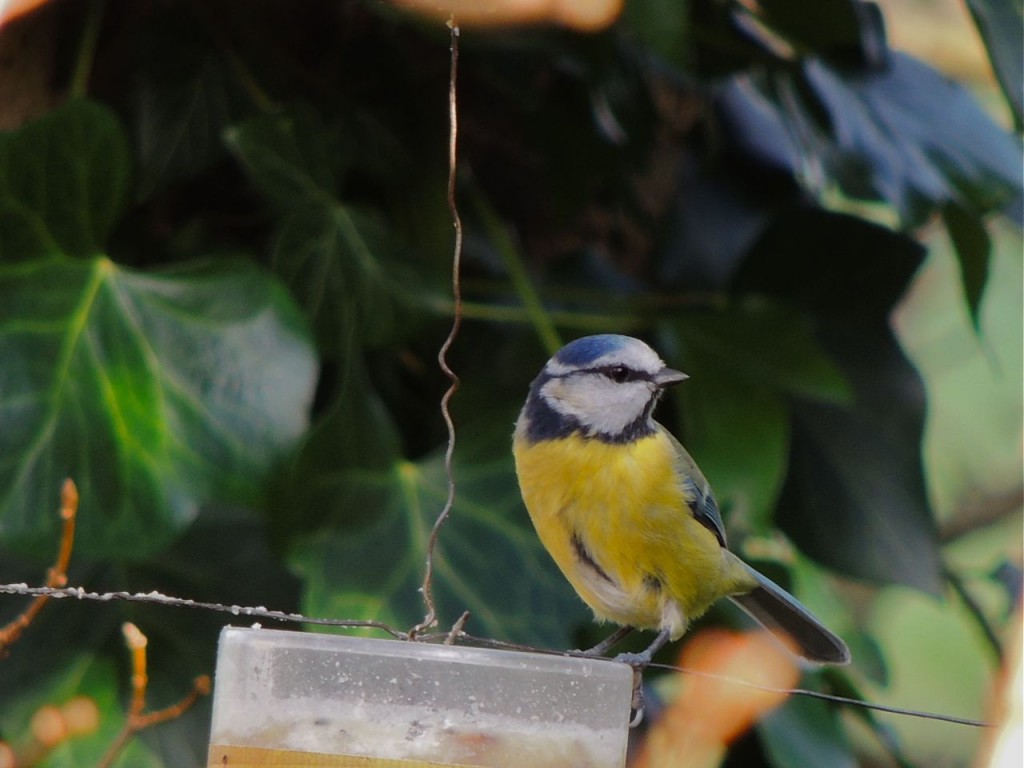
458, 629
57, 575
138, 719
430, 619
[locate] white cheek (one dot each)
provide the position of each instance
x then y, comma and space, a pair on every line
598, 403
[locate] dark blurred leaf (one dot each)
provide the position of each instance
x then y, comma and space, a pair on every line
342, 263
855, 498
155, 392
329, 482
971, 241
769, 345
805, 732
184, 98
343, 267
288, 156
1001, 25
835, 267
489, 561
717, 215
830, 26
63, 182
743, 362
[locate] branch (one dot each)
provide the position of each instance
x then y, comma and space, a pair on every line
57, 576
138, 718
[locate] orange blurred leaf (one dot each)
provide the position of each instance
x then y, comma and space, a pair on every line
586, 15
714, 706
12, 9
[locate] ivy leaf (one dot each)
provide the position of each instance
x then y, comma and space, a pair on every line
63, 182
855, 496
341, 262
369, 563
738, 433
183, 101
743, 362
289, 156
156, 392
768, 344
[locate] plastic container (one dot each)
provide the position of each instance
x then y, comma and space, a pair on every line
301, 699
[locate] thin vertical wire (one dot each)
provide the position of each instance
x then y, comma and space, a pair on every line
430, 619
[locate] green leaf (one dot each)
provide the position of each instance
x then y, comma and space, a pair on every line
369, 564
743, 362
739, 434
1001, 25
768, 344
155, 392
63, 182
855, 497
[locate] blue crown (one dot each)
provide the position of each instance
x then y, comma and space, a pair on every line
589, 348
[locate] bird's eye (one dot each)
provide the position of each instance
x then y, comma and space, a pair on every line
618, 374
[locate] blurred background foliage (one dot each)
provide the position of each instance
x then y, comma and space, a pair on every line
224, 277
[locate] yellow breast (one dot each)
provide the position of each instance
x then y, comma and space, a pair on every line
623, 507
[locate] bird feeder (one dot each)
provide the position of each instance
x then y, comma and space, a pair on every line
302, 699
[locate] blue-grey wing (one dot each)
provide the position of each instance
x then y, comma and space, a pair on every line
703, 504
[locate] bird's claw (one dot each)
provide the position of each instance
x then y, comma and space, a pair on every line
639, 662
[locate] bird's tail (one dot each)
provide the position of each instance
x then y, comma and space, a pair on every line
783, 614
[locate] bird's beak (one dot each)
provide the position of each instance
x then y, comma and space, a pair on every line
668, 376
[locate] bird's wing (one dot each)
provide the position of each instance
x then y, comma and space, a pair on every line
703, 506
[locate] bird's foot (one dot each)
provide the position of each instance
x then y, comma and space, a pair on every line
636, 660
639, 662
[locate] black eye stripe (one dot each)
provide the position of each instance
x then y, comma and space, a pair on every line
620, 374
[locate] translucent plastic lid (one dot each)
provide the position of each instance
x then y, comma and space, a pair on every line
280, 692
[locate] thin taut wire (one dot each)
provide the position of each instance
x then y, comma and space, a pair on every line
430, 619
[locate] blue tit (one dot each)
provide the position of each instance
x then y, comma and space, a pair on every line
624, 510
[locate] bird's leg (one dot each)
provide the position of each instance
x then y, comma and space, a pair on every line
603, 647
638, 661
642, 659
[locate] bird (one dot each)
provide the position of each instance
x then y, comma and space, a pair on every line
625, 511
